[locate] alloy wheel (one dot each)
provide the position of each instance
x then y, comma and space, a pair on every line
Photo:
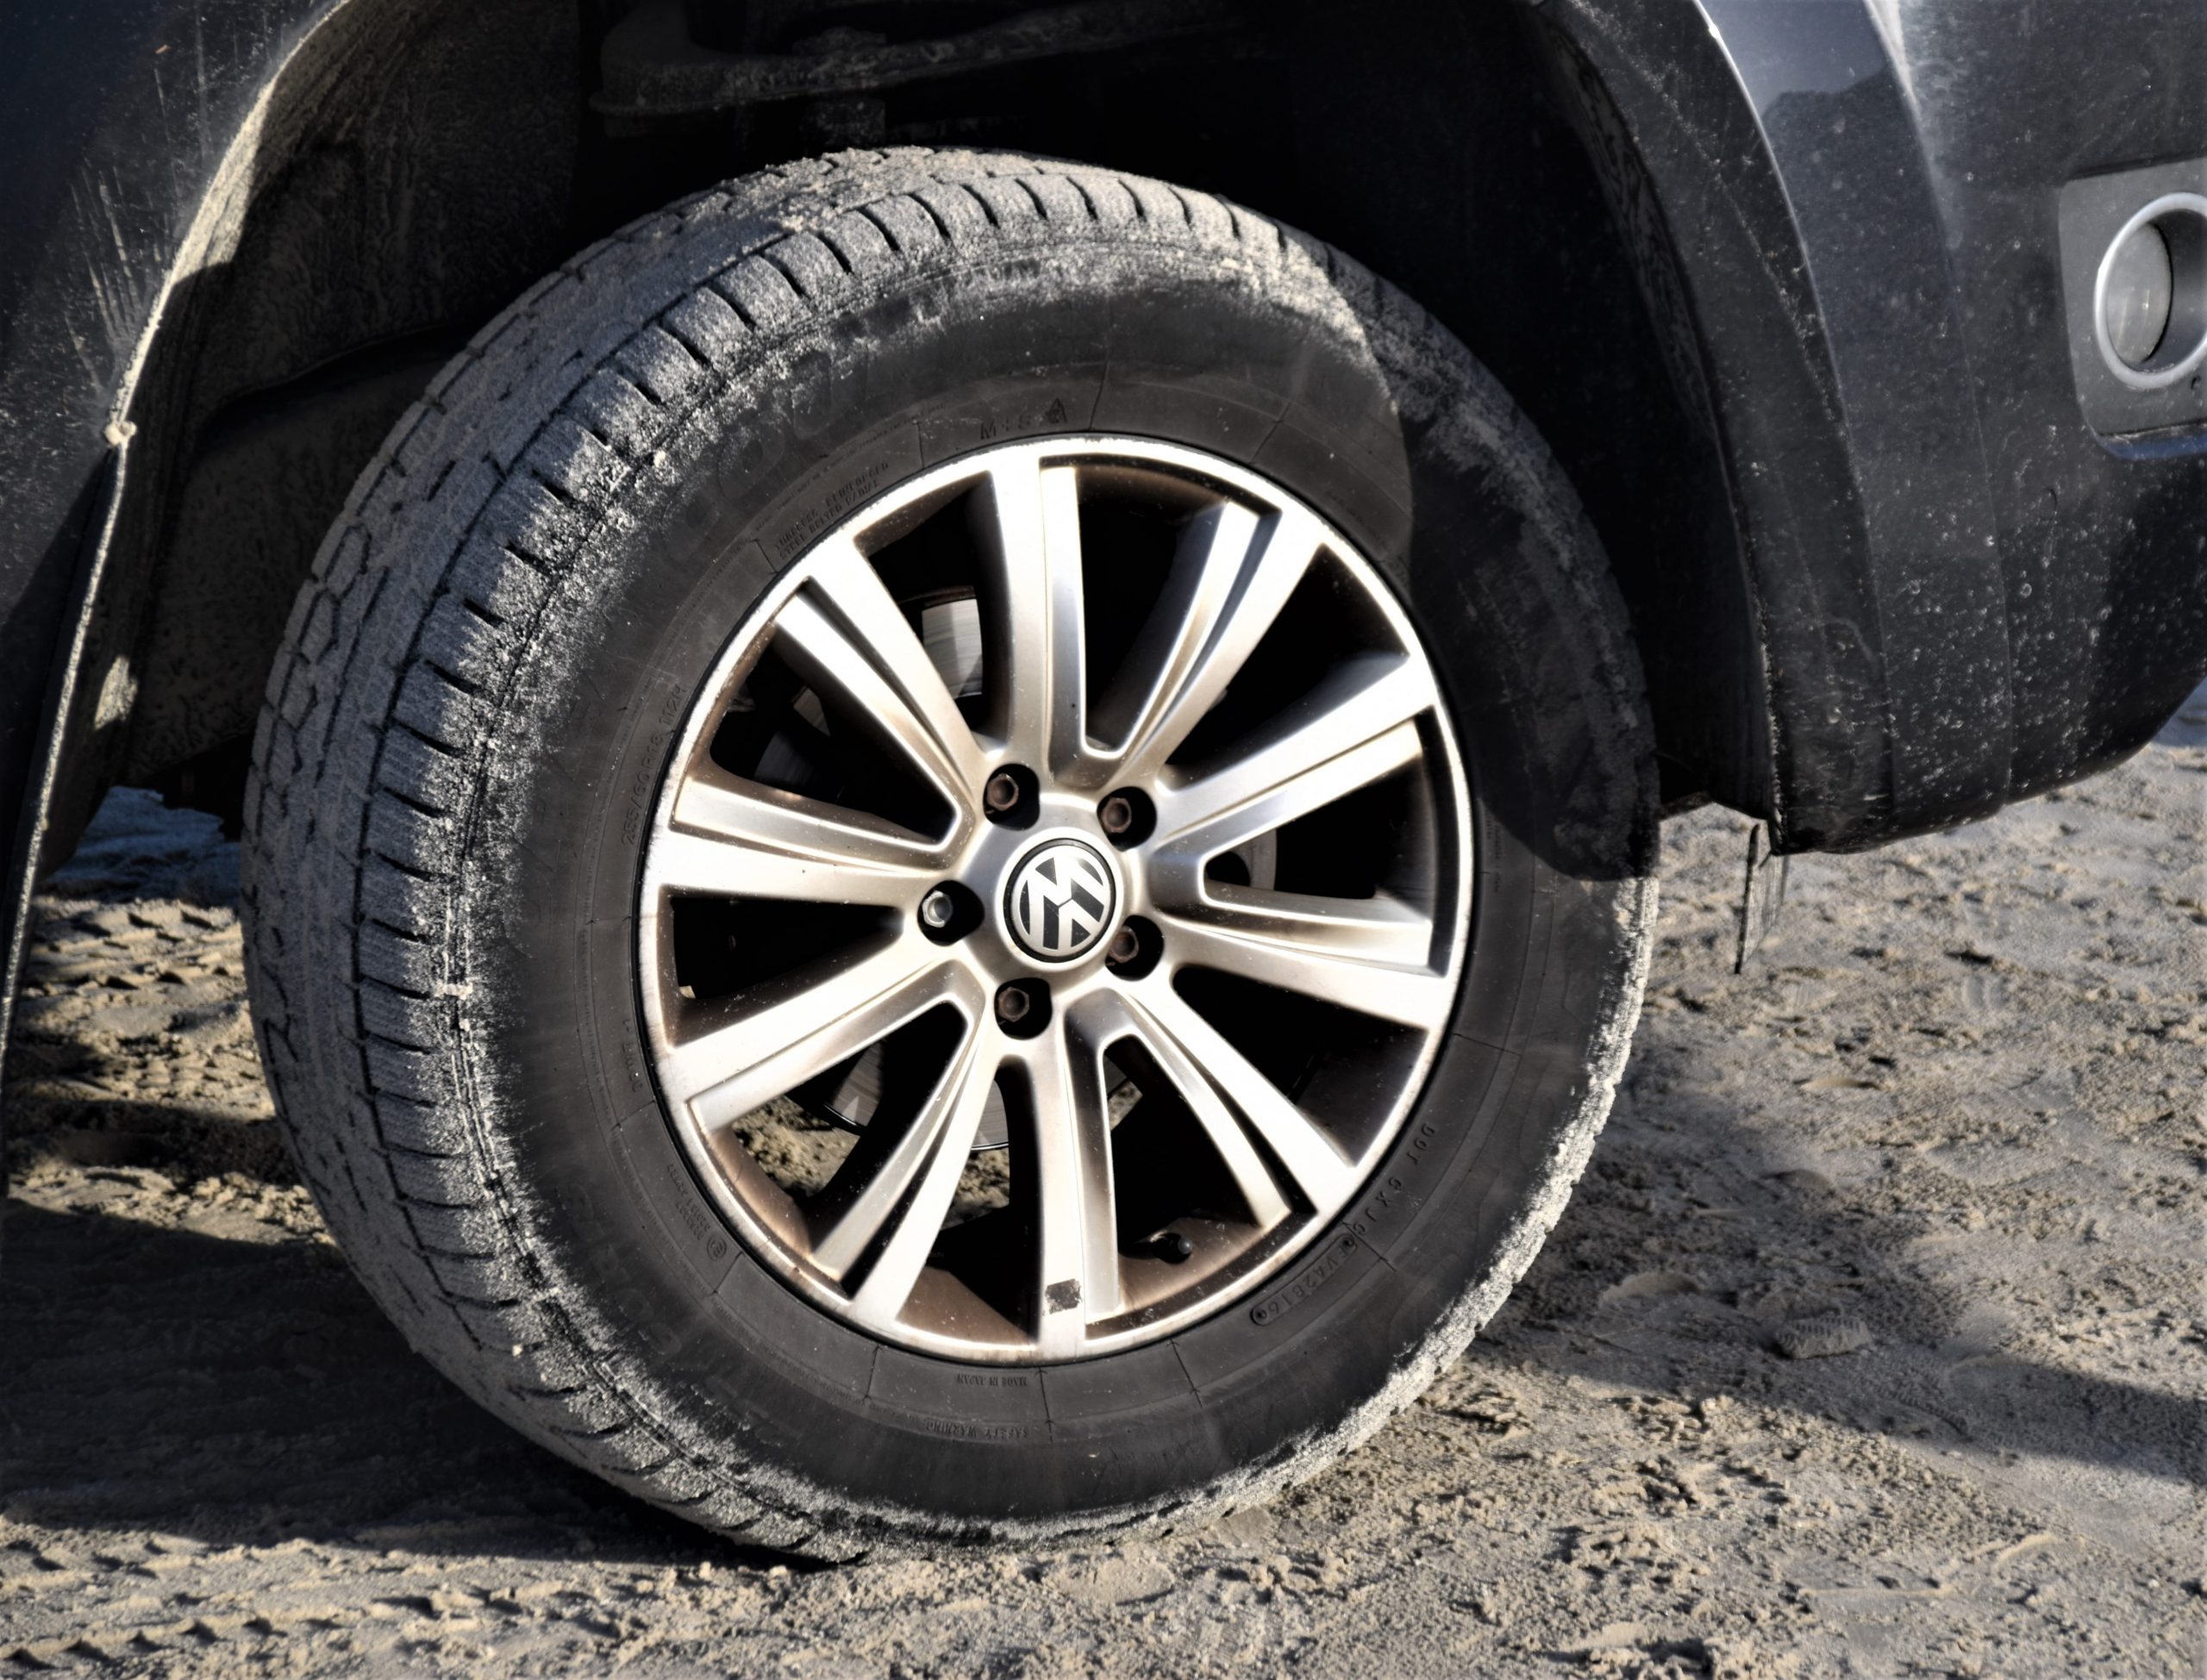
1056, 896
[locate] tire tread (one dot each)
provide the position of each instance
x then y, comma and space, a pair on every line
456, 538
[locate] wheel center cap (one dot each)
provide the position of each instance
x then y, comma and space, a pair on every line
1060, 898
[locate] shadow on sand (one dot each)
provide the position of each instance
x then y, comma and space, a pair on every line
250, 1392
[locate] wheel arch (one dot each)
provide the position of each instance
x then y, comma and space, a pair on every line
375, 201
1464, 152
1460, 151
1440, 144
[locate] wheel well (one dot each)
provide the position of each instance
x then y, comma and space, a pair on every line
427, 159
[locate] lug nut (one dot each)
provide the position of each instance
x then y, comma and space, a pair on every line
1135, 949
1013, 1003
1002, 792
936, 909
1126, 817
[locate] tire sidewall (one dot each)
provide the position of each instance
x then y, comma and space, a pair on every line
1399, 440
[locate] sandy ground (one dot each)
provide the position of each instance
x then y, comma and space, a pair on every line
1950, 1121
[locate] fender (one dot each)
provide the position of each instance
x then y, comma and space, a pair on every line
134, 125
1964, 593
1773, 303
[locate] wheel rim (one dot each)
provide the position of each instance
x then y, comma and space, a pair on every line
1054, 901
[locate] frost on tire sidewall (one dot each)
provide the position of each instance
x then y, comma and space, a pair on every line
481, 683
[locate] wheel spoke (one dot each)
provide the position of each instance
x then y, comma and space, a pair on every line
1120, 1017
1256, 694
844, 635
1028, 527
910, 1188
739, 839
1231, 577
1310, 1158
1356, 729
783, 1032
1075, 1207
1371, 955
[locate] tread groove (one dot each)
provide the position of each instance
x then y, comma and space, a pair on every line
932, 214
882, 227
426, 739
988, 211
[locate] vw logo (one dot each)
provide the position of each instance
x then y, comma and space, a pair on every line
1060, 900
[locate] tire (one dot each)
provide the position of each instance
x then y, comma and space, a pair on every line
474, 731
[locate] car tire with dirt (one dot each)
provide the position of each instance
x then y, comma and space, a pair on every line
951, 847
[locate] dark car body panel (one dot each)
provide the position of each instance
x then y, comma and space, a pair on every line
1965, 594
120, 119
1844, 219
